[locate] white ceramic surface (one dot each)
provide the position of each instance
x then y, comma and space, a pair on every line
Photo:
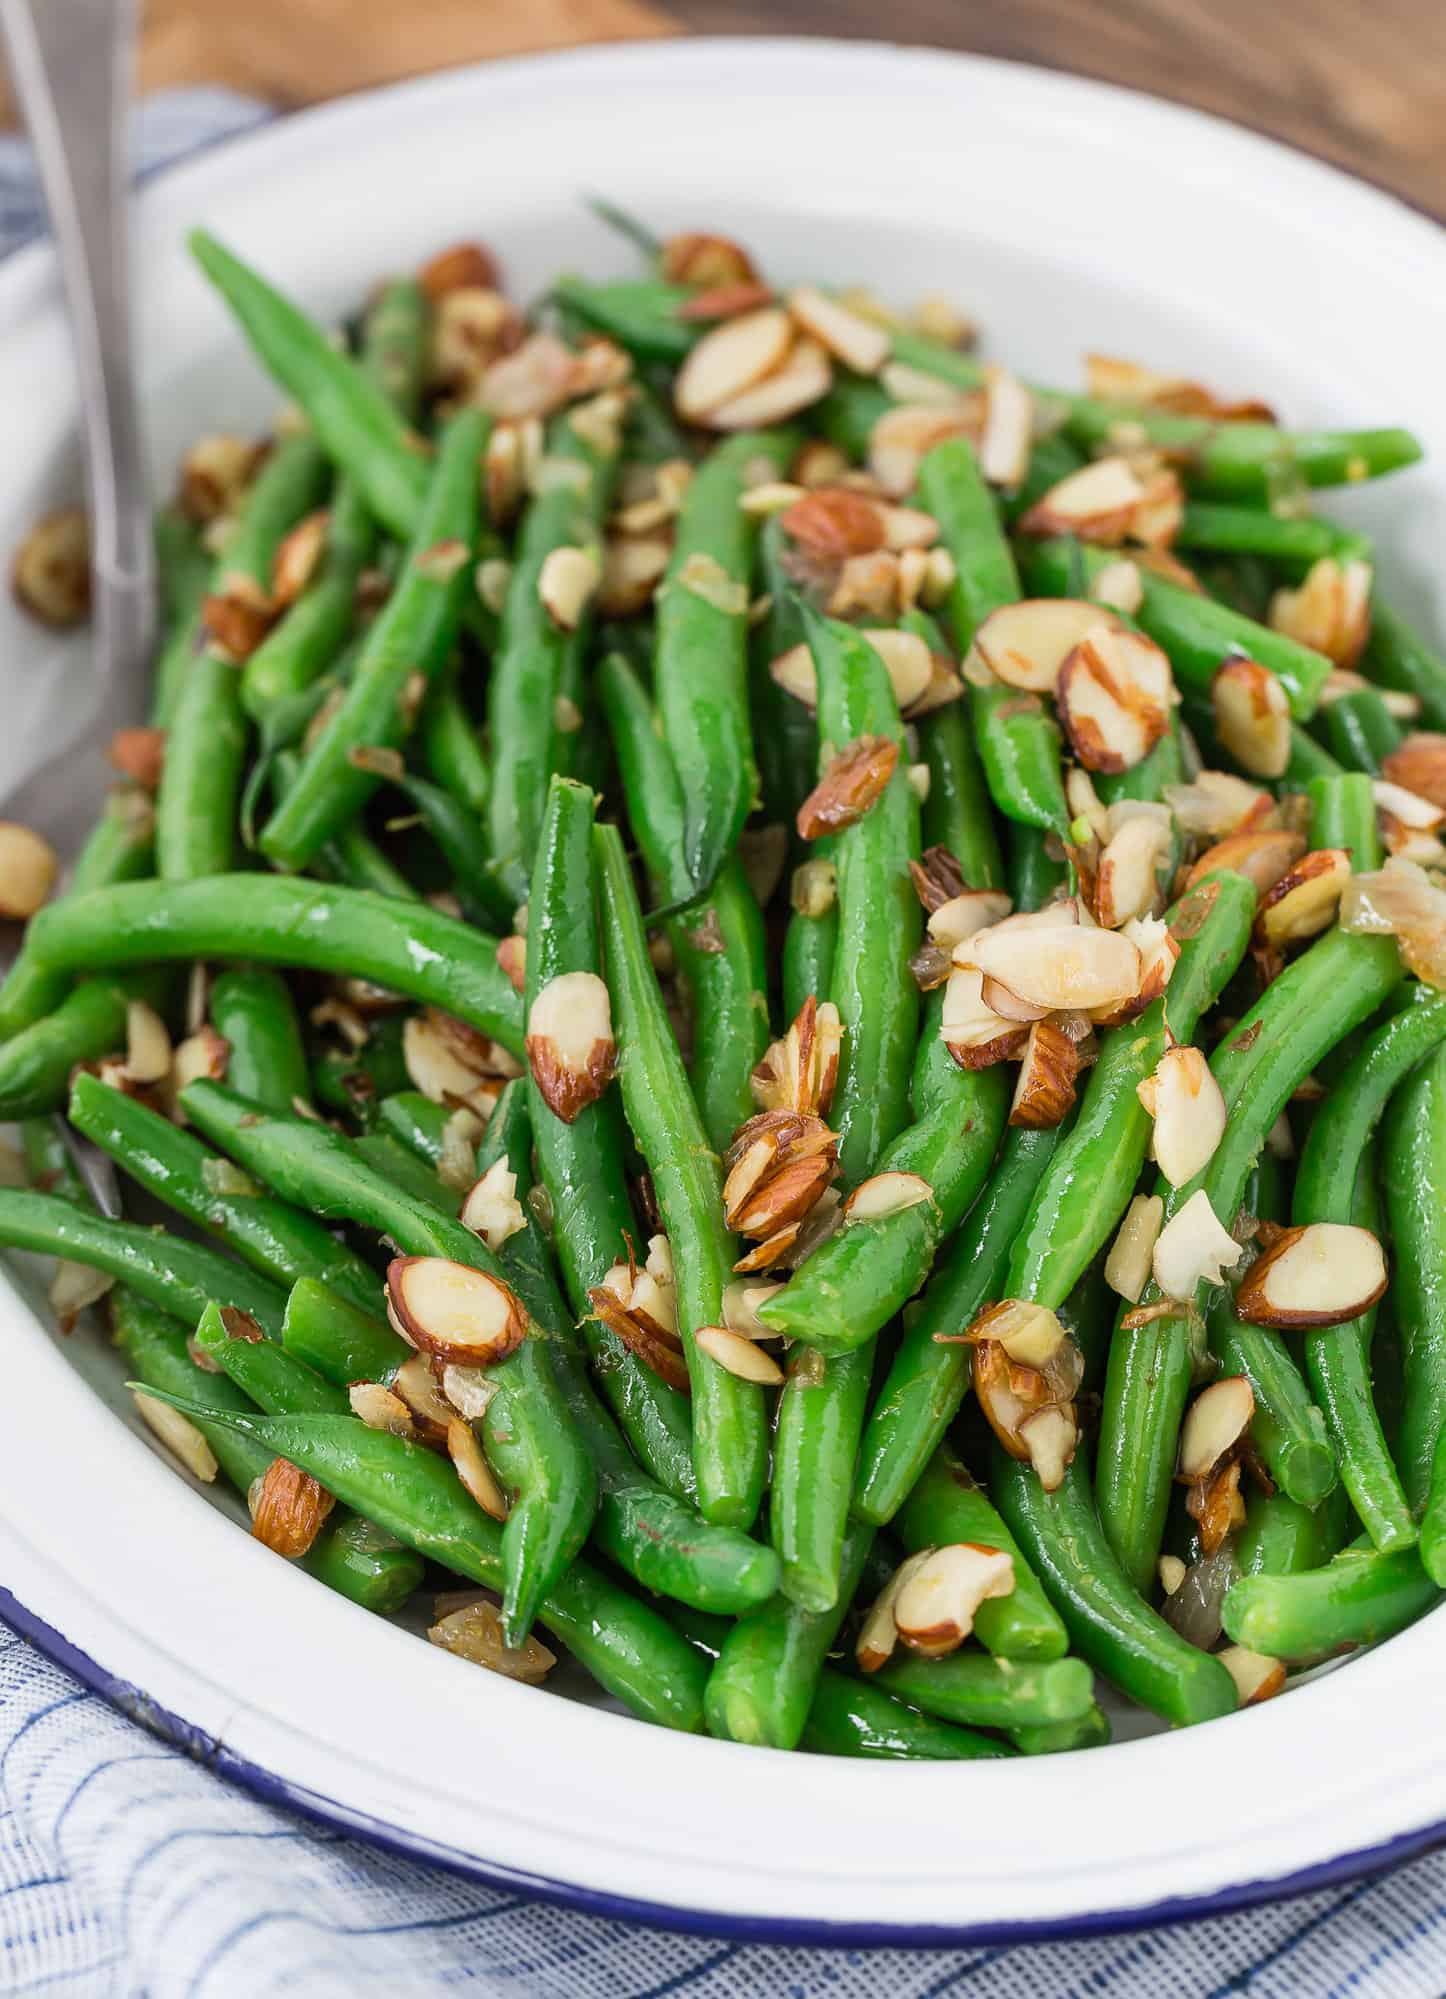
1068, 216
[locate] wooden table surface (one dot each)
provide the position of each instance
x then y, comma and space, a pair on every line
1359, 84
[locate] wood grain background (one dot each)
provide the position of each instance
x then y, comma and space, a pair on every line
1361, 82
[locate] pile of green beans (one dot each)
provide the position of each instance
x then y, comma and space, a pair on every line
568, 881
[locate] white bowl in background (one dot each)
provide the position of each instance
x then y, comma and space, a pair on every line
1067, 216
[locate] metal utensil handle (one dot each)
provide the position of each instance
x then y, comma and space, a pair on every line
71, 64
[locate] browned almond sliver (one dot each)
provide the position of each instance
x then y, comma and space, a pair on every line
460, 266
534, 380
1214, 1424
1257, 1677
858, 343
1305, 899
1044, 1092
453, 1312
50, 575
1262, 856
1188, 1107
738, 1355
832, 522
1216, 1504
473, 1469
376, 1406
1008, 1392
725, 301
798, 1073
903, 434
492, 1209
1098, 503
28, 868
853, 781
570, 1043
632, 569
658, 1350
297, 559
1252, 716
1127, 879
935, 1605
975, 1035
1074, 967
696, 257
1319, 1274
1331, 611
1028, 1332
802, 378
1419, 765
730, 359
1115, 692
1026, 644
288, 1509
938, 878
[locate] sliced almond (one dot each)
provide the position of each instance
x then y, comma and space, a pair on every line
1050, 1438
885, 1195
804, 377
1331, 610
935, 1606
908, 662
1115, 692
1026, 644
567, 583
1028, 1332
454, 1312
1319, 1274
1172, 1573
834, 522
415, 1385
1263, 857
1008, 428
1128, 1265
1097, 503
1127, 879
856, 342
1216, 803
533, 380
878, 1634
1419, 766
1257, 1678
377, 1407
1214, 1424
1417, 814
1044, 1093
798, 1073
658, 1351
1188, 1107
632, 569
975, 1035
962, 916
1084, 803
215, 472
73, 1288
1305, 899
904, 434
729, 359
1120, 586
741, 1303
28, 869
204, 1053
443, 1066
148, 1044
853, 781
1075, 968
725, 301
492, 1209
179, 1435
288, 1509
1252, 716
817, 463
1193, 1248
570, 1043
473, 1469
738, 1355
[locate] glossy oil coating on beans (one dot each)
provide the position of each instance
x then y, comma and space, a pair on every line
1414, 1181
855, 1717
252, 1011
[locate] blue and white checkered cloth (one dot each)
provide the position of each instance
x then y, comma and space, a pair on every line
128, 1871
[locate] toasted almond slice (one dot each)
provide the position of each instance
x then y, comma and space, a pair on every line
148, 1044
738, 1355
878, 1634
74, 1287
795, 672
179, 1435
416, 1385
1008, 428
1193, 1248
729, 359
567, 583
1026, 644
1050, 1438
204, 1053
1214, 1424
454, 1312
907, 384
1075, 968
1188, 1107
1045, 1090
473, 1469
28, 868
1127, 1267
1320, 1274
834, 522
935, 1606
1084, 802
1159, 949
694, 257
570, 1044
1115, 692
288, 1509
1331, 611
377, 1407
885, 1195
907, 530
964, 915
1172, 1573
975, 1035
531, 381
1120, 586
1127, 881
1305, 899
1419, 766
772, 497
632, 569
1216, 803
853, 781
804, 376
1419, 814
1257, 1678
1009, 1006
908, 661
1097, 503
1252, 716
1029, 1333
856, 342
903, 435
492, 1209
442, 1066
741, 1303
1262, 856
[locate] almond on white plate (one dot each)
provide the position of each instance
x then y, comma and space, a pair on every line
1026, 644
570, 1045
1115, 692
1252, 716
935, 1606
1316, 1274
453, 1312
1188, 1107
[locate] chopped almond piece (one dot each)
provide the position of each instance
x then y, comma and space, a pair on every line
28, 868
415, 1385
179, 1435
854, 780
148, 1044
798, 1073
473, 1469
1050, 1437
453, 1312
1214, 1424
1127, 1267
904, 434
832, 522
975, 1035
1217, 803
1127, 879
1419, 766
1188, 1107
855, 342
1417, 814
533, 380
1097, 503
964, 915
1029, 1333
632, 569
1115, 692
725, 301
738, 1355
935, 1605
492, 1209
567, 583
377, 1407
288, 1509
1045, 1091
461, 264
1252, 716
1008, 428
1075, 968
50, 576
886, 1195
1119, 586
1331, 611
1263, 857
776, 1168
878, 1634
570, 1043
1319, 1274
1257, 1678
1193, 1248
1305, 899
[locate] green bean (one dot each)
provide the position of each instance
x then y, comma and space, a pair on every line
87, 1023
1360, 730
121, 848
1281, 1537
1343, 814
717, 938
1089, 1730
359, 426
252, 1011
277, 1240
729, 1433
407, 948
639, 313
700, 660
1415, 1188
349, 1555
459, 837
184, 567
927, 1379
390, 1157
956, 812
168, 1271
411, 637
1360, 1598
815, 1442
1309, 760
1087, 1185
763, 1684
334, 1338
1196, 632
853, 1717
1019, 746
1327, 991
846, 416
415, 1494
946, 1506
653, 1536
970, 1687
1051, 459
952, 489
537, 660
581, 1163
530, 1434
353, 1081
1108, 1622
1287, 1428
784, 734
277, 1381
1230, 529
1432, 1547
1035, 875
1396, 657
452, 745
811, 938
1158, 767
